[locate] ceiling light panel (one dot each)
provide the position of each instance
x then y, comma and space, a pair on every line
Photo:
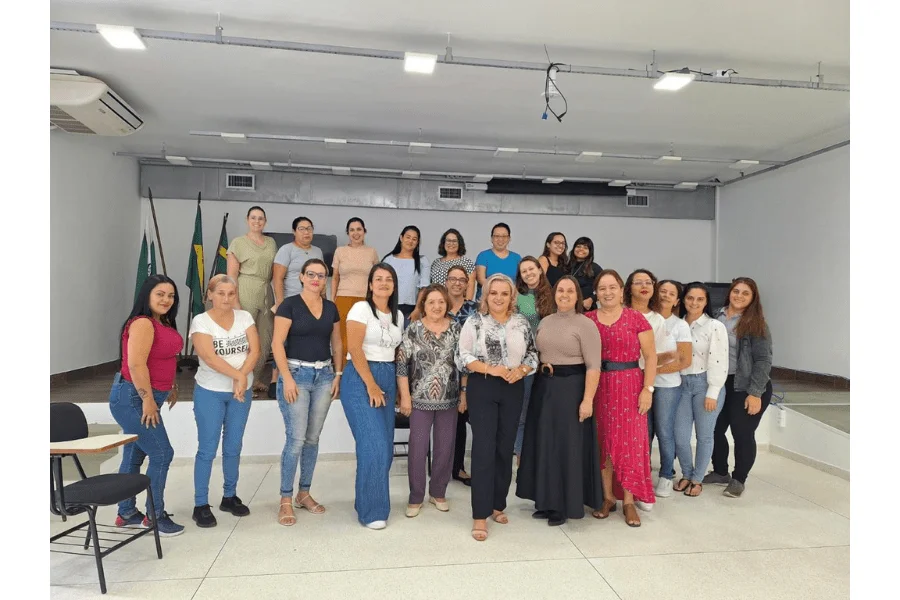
667, 160
743, 164
506, 152
482, 178
620, 182
415, 62
344, 171
411, 174
234, 138
672, 82
121, 37
552, 180
419, 148
260, 166
335, 143
179, 160
686, 185
588, 157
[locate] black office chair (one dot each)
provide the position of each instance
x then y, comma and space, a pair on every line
67, 423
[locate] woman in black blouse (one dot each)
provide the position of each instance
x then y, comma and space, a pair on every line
583, 268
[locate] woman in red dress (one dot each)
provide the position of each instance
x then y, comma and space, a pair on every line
623, 398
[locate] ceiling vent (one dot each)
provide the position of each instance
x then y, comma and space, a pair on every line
446, 192
637, 201
244, 182
85, 105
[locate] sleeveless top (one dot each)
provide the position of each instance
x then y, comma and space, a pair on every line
554, 274
163, 358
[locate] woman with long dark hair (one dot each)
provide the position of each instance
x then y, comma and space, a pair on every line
452, 252
250, 258
534, 301
413, 269
350, 267
748, 389
553, 259
702, 388
583, 268
369, 391
149, 347
560, 459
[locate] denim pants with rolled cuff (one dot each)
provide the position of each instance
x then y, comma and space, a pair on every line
219, 417
303, 422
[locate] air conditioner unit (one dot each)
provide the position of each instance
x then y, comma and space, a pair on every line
80, 104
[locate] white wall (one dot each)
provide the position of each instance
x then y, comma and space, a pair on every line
671, 248
790, 231
94, 245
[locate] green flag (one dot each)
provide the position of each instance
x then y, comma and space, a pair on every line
195, 266
220, 263
142, 267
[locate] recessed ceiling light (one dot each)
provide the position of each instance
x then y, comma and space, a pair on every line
506, 151
234, 138
260, 166
414, 62
335, 143
667, 160
588, 157
743, 164
686, 185
552, 180
482, 178
674, 81
121, 37
179, 160
419, 148
340, 171
411, 174
620, 182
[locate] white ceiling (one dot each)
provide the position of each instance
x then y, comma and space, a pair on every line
178, 87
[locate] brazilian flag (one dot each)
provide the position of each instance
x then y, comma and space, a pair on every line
220, 262
146, 264
195, 272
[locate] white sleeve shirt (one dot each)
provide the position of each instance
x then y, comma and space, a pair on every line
710, 353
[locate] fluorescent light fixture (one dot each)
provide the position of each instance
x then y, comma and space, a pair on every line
506, 151
260, 166
620, 182
178, 160
414, 62
419, 148
686, 185
234, 138
121, 37
340, 171
482, 178
674, 81
411, 174
552, 180
743, 164
335, 143
588, 157
667, 160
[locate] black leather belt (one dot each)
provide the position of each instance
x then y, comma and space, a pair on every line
608, 365
549, 370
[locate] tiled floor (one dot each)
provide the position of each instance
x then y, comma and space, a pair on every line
788, 537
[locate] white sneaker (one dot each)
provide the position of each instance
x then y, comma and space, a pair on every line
376, 525
643, 506
664, 488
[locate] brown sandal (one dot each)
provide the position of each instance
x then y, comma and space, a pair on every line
607, 507
690, 489
500, 517
631, 515
682, 488
286, 517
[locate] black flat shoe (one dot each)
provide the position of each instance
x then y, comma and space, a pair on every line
541, 514
467, 481
203, 516
234, 506
556, 520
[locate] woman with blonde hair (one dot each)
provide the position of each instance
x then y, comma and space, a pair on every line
496, 349
227, 346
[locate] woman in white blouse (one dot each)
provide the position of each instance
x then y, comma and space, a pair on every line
702, 388
413, 269
496, 349
369, 391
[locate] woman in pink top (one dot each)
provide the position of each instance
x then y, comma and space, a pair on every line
149, 351
350, 272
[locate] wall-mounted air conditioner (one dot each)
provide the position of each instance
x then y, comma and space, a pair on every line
80, 104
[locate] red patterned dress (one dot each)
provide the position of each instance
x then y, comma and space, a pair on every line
621, 430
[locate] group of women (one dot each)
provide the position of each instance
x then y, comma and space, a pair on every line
553, 360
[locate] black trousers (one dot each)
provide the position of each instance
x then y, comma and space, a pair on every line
494, 410
743, 430
459, 451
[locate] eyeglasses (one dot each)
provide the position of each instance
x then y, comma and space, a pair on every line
451, 241
642, 283
457, 280
314, 275
305, 229
557, 243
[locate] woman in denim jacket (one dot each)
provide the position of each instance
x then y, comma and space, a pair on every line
748, 389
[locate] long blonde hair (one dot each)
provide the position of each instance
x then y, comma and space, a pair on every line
486, 290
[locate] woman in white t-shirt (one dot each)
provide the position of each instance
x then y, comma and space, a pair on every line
413, 270
667, 384
227, 345
369, 391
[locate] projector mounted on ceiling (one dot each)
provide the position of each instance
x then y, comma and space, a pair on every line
80, 104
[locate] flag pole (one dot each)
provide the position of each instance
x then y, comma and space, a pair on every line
187, 360
162, 257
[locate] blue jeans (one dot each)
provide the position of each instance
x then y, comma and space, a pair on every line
127, 407
665, 401
692, 414
520, 433
373, 431
303, 422
218, 416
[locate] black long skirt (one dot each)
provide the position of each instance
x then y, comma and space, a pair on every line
560, 464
